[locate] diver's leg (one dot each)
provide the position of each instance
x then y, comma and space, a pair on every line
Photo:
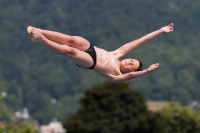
79, 57
73, 41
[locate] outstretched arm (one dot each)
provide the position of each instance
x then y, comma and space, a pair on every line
123, 50
136, 74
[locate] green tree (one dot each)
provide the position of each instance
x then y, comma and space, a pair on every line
21, 128
1, 111
111, 108
179, 119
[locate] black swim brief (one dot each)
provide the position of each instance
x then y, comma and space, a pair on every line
91, 51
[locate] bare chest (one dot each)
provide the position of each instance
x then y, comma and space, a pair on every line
107, 64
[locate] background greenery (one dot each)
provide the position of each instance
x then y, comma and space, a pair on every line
120, 109
31, 75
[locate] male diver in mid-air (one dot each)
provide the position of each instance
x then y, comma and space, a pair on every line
106, 63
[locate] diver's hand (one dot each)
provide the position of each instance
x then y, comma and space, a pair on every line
169, 28
153, 67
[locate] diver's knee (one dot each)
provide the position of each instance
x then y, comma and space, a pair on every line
69, 39
69, 50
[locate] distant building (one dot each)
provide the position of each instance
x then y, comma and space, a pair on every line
53, 127
22, 113
196, 106
3, 94
156, 105
2, 125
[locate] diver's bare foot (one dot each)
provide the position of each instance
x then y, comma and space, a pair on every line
34, 33
30, 29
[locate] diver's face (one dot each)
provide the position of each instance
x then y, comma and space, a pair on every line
129, 65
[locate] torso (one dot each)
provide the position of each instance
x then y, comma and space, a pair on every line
107, 64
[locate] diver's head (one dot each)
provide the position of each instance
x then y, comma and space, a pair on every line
129, 65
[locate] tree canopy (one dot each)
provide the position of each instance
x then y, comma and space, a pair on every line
111, 108
114, 108
180, 119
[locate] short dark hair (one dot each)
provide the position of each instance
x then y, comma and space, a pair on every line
140, 66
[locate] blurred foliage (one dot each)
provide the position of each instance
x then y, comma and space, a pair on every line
32, 75
112, 108
21, 128
180, 119
1, 110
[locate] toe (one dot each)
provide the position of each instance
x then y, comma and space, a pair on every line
29, 29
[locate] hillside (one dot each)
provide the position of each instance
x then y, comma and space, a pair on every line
32, 75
